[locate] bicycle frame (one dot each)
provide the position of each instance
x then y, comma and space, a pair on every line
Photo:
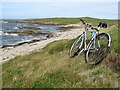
84, 39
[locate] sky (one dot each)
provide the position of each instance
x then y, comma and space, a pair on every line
30, 10
59, 0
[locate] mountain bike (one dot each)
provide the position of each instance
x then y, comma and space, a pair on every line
98, 46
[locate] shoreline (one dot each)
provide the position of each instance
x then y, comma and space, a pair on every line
8, 53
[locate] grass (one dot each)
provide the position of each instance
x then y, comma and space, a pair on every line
55, 20
93, 21
43, 69
51, 67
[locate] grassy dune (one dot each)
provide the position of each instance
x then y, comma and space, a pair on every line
51, 67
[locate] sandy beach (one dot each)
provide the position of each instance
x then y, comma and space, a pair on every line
9, 53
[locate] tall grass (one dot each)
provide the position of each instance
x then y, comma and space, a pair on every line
44, 69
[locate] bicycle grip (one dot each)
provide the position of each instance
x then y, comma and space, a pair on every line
82, 21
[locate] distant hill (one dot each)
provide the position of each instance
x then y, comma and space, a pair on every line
93, 21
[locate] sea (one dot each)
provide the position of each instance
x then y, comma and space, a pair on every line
13, 39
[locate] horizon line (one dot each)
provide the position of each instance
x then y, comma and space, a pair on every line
58, 17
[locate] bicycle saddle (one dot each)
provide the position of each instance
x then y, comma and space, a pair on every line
102, 25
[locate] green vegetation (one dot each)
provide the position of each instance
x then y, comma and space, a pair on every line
55, 20
93, 21
51, 67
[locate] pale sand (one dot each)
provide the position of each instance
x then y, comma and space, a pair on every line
8, 53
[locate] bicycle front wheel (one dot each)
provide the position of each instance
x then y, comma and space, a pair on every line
98, 49
76, 46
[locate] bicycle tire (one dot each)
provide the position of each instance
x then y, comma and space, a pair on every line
77, 45
98, 54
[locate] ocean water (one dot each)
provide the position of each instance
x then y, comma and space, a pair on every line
12, 39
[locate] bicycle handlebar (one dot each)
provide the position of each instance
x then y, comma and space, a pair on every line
88, 25
83, 21
94, 28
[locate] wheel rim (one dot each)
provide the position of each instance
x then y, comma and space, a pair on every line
75, 47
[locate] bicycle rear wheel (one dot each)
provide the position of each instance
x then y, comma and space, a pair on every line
98, 50
76, 46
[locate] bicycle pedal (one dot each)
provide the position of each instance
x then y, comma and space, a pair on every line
76, 53
80, 51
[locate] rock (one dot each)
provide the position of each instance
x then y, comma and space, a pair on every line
30, 28
64, 28
49, 35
